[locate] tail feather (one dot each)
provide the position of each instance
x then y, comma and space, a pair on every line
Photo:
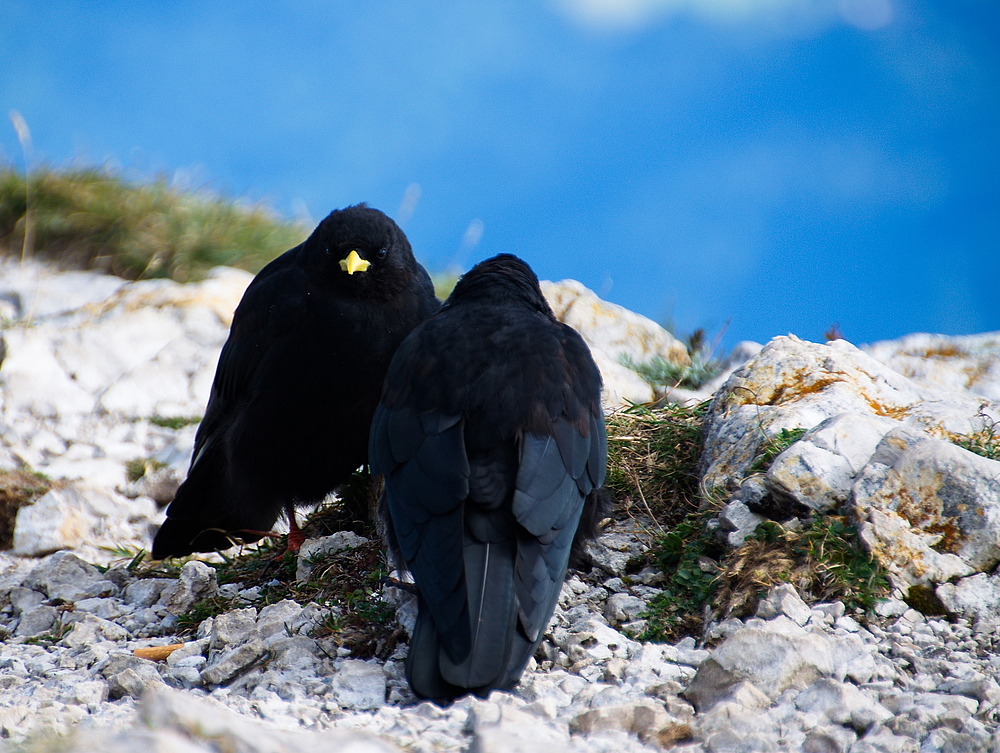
180, 537
206, 517
423, 668
511, 586
489, 575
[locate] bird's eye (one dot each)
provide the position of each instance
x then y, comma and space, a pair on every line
328, 252
382, 252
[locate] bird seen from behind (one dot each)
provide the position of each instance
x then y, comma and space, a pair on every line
298, 381
491, 440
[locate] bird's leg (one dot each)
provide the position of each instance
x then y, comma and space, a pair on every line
402, 585
295, 535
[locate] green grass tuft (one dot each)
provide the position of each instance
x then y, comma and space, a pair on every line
96, 218
174, 422
653, 459
985, 442
772, 447
687, 553
824, 560
139, 467
660, 372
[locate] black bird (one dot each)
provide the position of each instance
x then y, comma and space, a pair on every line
490, 436
298, 381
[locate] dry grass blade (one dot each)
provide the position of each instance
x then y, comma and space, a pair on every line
157, 653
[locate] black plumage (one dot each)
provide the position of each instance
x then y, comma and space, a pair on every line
490, 437
298, 381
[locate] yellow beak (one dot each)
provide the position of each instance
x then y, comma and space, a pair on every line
354, 263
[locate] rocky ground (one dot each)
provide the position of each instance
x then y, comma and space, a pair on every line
96, 375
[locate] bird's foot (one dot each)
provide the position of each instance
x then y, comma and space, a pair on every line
295, 540
295, 535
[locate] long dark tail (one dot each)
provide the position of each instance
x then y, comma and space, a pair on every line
206, 517
499, 648
512, 590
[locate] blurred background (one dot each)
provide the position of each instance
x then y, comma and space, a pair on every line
748, 167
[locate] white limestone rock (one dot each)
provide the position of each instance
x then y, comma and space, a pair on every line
129, 676
946, 497
966, 363
34, 382
220, 293
908, 555
610, 327
173, 717
621, 386
314, 549
614, 333
37, 620
232, 662
505, 728
878, 447
737, 521
89, 629
976, 597
276, 619
784, 599
623, 607
772, 656
39, 291
842, 703
645, 719
820, 468
233, 628
197, 581
145, 592
78, 515
359, 685
792, 383
65, 577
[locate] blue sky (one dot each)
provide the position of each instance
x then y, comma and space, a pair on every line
780, 165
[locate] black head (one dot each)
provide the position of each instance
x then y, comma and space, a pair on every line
503, 279
361, 248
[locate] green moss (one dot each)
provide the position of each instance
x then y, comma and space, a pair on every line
925, 601
174, 422
139, 467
